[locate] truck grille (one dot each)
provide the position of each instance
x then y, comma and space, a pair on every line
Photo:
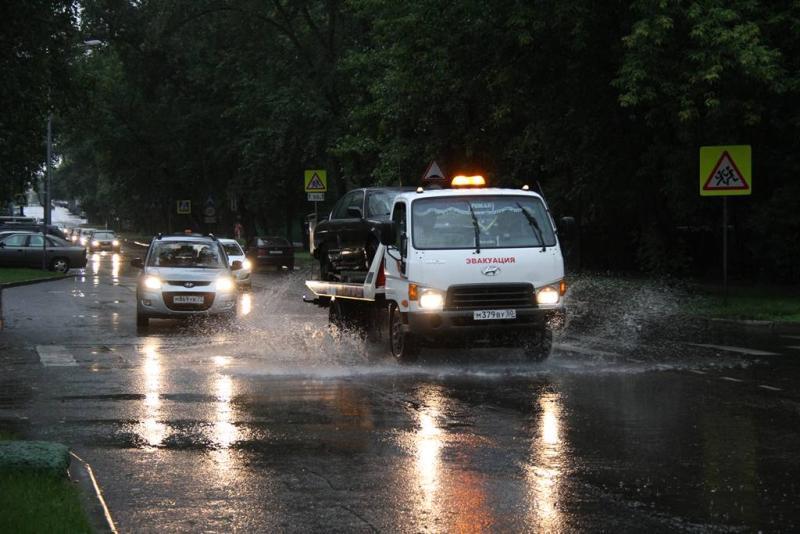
489, 296
208, 300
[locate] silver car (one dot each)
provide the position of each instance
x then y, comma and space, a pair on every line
235, 253
185, 275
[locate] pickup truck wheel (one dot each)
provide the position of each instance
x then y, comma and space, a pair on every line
402, 345
537, 346
347, 315
142, 321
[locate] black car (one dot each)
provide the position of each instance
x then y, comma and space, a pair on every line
270, 251
348, 238
26, 249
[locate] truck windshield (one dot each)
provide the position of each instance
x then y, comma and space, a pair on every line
185, 254
449, 222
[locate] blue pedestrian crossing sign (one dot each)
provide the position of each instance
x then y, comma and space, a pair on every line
316, 181
184, 207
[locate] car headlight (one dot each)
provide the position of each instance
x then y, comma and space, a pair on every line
152, 282
83, 241
431, 299
246, 265
547, 295
95, 243
225, 283
115, 243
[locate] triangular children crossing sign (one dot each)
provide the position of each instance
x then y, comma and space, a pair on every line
725, 170
316, 181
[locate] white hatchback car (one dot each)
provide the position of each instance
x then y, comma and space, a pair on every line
235, 253
184, 275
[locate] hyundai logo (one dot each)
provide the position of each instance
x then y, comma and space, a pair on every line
490, 270
188, 284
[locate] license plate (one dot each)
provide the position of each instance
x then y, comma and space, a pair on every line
187, 299
276, 252
489, 315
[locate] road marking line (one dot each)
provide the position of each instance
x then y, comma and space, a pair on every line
770, 388
584, 350
795, 347
791, 337
730, 379
695, 371
739, 350
55, 356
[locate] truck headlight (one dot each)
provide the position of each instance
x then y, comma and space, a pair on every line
95, 243
246, 265
547, 295
152, 282
225, 283
431, 300
115, 243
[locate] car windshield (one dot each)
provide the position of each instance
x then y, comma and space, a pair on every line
379, 204
232, 249
103, 235
498, 221
185, 254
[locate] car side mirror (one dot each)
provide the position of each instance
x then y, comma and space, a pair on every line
354, 212
138, 263
387, 231
236, 265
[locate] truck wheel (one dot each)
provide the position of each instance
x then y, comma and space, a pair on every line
537, 346
347, 315
402, 345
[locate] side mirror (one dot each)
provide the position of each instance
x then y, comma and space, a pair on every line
354, 212
2, 245
386, 229
236, 265
138, 263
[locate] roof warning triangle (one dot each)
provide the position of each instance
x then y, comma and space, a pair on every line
433, 174
725, 175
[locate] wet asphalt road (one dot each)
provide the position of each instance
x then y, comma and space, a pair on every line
278, 425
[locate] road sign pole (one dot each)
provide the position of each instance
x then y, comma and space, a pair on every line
725, 251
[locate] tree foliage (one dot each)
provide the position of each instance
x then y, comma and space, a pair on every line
603, 104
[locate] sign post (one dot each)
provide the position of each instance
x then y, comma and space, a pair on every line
725, 171
316, 185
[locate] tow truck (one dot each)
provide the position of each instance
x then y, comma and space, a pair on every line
468, 265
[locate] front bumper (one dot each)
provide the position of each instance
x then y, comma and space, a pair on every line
461, 324
153, 303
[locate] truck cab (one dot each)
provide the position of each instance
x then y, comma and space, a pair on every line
473, 265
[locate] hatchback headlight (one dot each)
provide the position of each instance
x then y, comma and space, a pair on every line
115, 243
547, 295
225, 283
152, 282
95, 243
246, 265
431, 299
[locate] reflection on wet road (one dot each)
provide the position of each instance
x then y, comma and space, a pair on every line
279, 424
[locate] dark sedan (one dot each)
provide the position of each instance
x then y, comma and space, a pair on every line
26, 250
348, 238
270, 252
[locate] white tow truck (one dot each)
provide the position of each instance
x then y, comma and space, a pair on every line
470, 266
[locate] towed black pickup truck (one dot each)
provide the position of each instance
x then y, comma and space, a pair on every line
348, 238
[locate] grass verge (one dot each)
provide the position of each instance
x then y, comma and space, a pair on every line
34, 502
12, 274
761, 307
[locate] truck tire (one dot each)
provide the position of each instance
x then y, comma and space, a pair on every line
325, 270
402, 345
348, 315
142, 321
538, 345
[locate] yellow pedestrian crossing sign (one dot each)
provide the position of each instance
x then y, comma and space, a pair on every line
725, 170
316, 181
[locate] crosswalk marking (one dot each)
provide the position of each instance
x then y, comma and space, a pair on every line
739, 350
55, 356
770, 388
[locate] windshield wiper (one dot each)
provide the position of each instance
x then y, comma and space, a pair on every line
477, 229
534, 225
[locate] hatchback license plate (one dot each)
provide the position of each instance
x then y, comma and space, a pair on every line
276, 252
187, 299
488, 315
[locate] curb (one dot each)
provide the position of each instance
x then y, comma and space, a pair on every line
751, 325
26, 283
92, 500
